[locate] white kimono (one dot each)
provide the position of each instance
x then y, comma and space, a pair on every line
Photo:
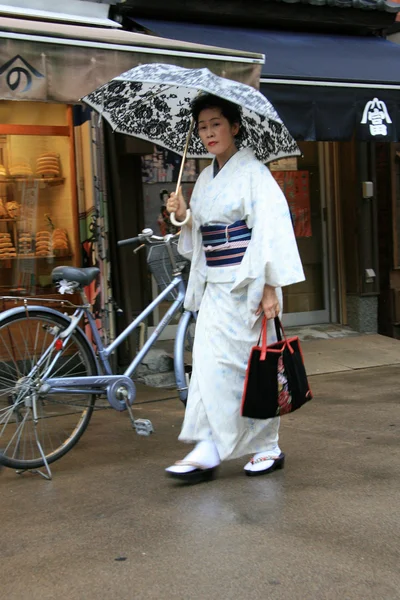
227, 299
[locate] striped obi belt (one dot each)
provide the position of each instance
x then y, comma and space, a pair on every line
225, 245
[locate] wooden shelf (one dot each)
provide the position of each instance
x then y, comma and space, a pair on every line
34, 257
48, 130
48, 181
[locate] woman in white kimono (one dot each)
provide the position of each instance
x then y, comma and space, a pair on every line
242, 248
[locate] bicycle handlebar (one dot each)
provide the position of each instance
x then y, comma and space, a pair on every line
128, 241
147, 236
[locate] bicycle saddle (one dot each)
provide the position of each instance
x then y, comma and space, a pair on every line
81, 276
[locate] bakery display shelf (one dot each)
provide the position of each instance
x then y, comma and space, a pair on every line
34, 256
48, 181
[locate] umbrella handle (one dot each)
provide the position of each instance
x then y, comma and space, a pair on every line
178, 185
180, 223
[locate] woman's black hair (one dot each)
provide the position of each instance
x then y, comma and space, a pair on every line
229, 110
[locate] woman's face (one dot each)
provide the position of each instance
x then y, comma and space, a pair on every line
215, 131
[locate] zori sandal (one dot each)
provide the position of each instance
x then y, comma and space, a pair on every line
261, 464
196, 474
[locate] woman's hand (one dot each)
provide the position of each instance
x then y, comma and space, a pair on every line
176, 204
269, 304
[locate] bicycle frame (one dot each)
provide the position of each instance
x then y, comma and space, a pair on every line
94, 384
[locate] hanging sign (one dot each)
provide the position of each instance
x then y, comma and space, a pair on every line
376, 119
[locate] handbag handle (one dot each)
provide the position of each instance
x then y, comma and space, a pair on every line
263, 338
279, 331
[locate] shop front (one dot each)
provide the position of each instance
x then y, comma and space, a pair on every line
339, 97
54, 193
38, 205
300, 178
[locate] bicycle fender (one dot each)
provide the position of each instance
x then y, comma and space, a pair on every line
179, 350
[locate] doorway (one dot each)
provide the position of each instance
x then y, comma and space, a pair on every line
309, 302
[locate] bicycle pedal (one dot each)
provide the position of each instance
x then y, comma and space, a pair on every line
143, 426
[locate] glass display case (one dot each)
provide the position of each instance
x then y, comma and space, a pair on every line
38, 205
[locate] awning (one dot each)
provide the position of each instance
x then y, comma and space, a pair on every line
325, 87
81, 12
62, 63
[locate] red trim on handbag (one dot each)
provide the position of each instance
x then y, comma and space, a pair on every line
263, 349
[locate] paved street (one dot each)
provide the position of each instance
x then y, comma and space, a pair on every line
110, 525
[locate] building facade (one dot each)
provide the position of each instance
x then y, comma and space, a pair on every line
332, 76
55, 189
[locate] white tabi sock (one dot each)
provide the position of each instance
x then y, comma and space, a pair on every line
205, 454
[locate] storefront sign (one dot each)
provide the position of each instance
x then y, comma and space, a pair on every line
376, 117
295, 185
19, 74
22, 78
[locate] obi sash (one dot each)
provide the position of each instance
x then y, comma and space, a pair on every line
225, 245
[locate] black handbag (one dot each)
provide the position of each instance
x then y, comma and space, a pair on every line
276, 381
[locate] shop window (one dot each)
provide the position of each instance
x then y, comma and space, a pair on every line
299, 179
38, 208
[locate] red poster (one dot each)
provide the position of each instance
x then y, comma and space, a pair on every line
295, 186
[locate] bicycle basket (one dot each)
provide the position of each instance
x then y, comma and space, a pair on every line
161, 268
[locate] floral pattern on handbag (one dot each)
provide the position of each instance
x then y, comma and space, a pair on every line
284, 395
276, 381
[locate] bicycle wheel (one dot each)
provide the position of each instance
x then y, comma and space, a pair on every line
61, 418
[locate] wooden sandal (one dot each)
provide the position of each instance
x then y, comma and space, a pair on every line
197, 475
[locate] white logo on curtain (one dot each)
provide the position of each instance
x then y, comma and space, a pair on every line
376, 115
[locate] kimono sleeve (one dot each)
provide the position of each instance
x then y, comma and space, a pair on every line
272, 256
186, 241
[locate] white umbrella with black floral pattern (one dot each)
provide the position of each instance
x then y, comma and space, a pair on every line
152, 102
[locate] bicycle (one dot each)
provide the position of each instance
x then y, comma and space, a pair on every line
51, 375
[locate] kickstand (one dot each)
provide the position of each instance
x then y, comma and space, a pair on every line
47, 475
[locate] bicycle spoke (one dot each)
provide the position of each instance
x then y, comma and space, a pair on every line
64, 365
6, 422
8, 381
17, 432
23, 336
27, 356
36, 340
6, 347
5, 410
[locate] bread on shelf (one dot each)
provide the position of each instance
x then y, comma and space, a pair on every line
14, 209
25, 244
3, 210
7, 249
3, 172
60, 243
48, 165
21, 168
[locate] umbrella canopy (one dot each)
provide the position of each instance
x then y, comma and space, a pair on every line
152, 102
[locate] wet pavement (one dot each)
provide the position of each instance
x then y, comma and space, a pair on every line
110, 525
